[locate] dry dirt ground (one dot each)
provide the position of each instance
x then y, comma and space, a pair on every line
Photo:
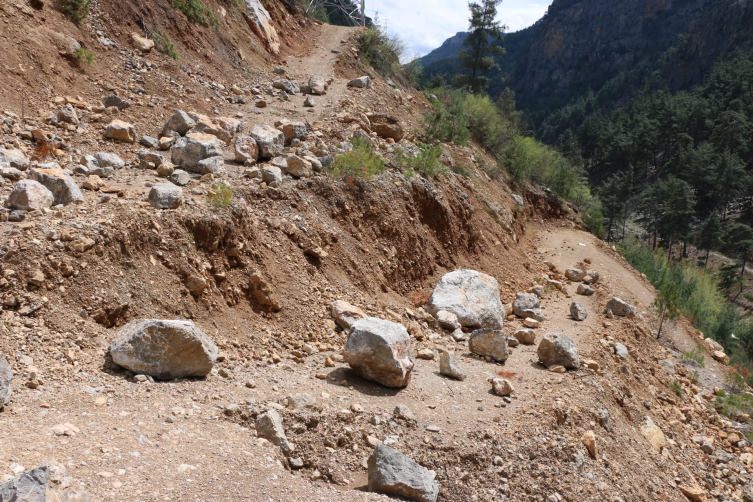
388, 243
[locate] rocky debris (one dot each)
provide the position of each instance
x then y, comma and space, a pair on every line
393, 473
6, 379
574, 274
448, 320
360, 83
246, 150
556, 349
654, 434
309, 102
589, 441
525, 336
603, 417
578, 311
345, 314
164, 349
318, 85
720, 357
620, 351
167, 169
112, 100
502, 387
68, 115
298, 167
10, 173
64, 190
694, 493
531, 323
196, 284
620, 308
140, 43
449, 366
526, 305
48, 482
489, 343
271, 141
199, 153
149, 142
260, 22
177, 176
592, 277
271, 175
301, 401
121, 131
223, 128
472, 296
287, 86
30, 195
386, 126
668, 366
295, 130
149, 159
380, 351
179, 123
269, 426
585, 290
403, 412
14, 158
105, 159
165, 196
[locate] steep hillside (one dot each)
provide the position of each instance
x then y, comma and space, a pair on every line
186, 249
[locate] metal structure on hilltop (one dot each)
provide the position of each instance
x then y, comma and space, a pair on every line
349, 10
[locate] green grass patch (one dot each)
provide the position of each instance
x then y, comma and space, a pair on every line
197, 12
75, 10
84, 56
425, 162
733, 405
360, 164
220, 195
164, 45
695, 356
677, 387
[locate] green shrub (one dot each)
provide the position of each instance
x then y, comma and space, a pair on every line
196, 12
677, 387
486, 123
220, 195
695, 356
447, 121
594, 218
382, 51
425, 162
84, 56
361, 164
694, 376
733, 405
76, 10
164, 45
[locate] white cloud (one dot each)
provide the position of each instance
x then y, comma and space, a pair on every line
425, 24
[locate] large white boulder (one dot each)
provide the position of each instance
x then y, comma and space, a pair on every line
472, 296
380, 351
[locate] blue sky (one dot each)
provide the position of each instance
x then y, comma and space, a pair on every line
425, 24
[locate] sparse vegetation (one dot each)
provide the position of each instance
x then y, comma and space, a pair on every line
360, 164
734, 404
164, 45
695, 356
693, 376
425, 162
196, 12
84, 56
220, 195
76, 10
677, 387
382, 51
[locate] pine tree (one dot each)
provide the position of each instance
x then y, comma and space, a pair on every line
478, 57
676, 210
710, 236
739, 239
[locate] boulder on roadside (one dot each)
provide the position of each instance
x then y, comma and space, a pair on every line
121, 131
621, 351
449, 366
142, 44
68, 115
620, 308
190, 151
14, 158
269, 426
592, 277
318, 85
30, 195
179, 123
105, 159
574, 274
489, 343
380, 351
298, 167
271, 175
525, 305
6, 379
48, 482
386, 126
360, 83
502, 387
295, 130
556, 349
525, 336
111, 100
585, 290
287, 86
177, 176
345, 314
578, 311
653, 434
472, 296
393, 473
165, 196
164, 349
64, 190
10, 173
246, 149
271, 141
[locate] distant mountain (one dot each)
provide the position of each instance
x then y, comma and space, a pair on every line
449, 49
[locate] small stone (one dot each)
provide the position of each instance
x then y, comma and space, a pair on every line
269, 426
589, 441
525, 336
426, 354
502, 387
449, 366
585, 290
558, 349
489, 343
578, 312
531, 323
121, 131
309, 102
165, 196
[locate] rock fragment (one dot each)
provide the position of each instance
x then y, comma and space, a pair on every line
165, 196
502, 387
578, 312
345, 314
449, 366
472, 296
620, 308
393, 473
489, 343
556, 349
121, 131
380, 351
30, 195
269, 426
